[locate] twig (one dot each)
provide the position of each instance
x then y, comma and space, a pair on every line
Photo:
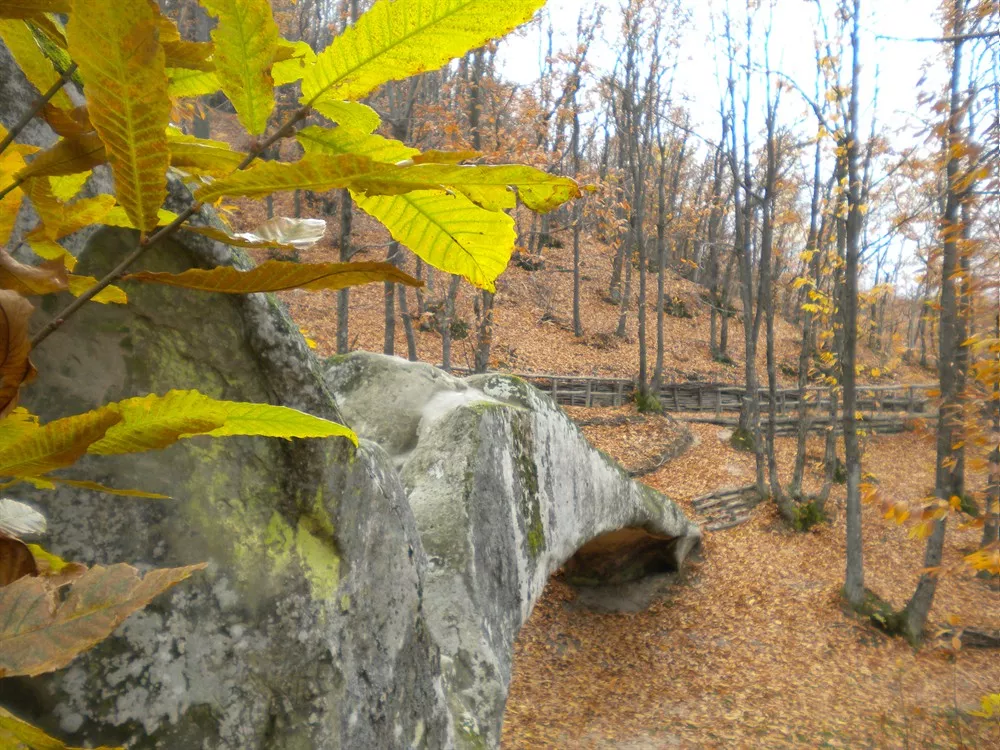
114, 275
158, 235
36, 108
15, 184
942, 39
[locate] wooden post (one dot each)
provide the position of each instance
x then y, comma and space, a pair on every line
619, 393
590, 394
911, 405
555, 389
701, 393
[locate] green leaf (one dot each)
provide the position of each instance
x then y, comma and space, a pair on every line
40, 449
122, 65
486, 186
11, 162
52, 251
20, 735
116, 217
50, 34
395, 40
68, 156
68, 186
59, 219
301, 58
191, 83
146, 423
279, 275
278, 422
349, 114
81, 484
31, 8
180, 53
347, 140
153, 422
246, 43
319, 173
16, 425
449, 232
33, 63
50, 631
201, 155
110, 295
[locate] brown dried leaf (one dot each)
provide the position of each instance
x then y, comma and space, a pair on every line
28, 280
15, 346
67, 122
278, 275
16, 560
48, 634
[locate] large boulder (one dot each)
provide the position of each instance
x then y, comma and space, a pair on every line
306, 631
354, 598
505, 489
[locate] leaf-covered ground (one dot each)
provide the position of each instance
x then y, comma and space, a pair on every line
753, 649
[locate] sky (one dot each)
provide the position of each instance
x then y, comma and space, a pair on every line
900, 65
792, 52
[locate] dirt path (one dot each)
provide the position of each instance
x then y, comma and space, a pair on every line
753, 650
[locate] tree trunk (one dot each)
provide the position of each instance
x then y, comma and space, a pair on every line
766, 298
404, 312
201, 124
620, 330
344, 295
577, 217
661, 262
952, 355
485, 338
446, 321
806, 348
724, 309
389, 297
854, 583
991, 516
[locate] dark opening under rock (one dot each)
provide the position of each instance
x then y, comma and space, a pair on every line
622, 556
622, 571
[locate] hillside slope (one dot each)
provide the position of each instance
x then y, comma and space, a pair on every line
533, 317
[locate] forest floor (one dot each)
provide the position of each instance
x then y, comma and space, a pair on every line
752, 646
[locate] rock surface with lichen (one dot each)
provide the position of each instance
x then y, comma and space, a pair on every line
505, 489
354, 598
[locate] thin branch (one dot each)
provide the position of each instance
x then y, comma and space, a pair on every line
118, 271
943, 39
12, 186
37, 107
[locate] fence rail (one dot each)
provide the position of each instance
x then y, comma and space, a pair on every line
582, 390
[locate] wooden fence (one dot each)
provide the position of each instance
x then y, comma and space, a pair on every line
581, 390
882, 424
